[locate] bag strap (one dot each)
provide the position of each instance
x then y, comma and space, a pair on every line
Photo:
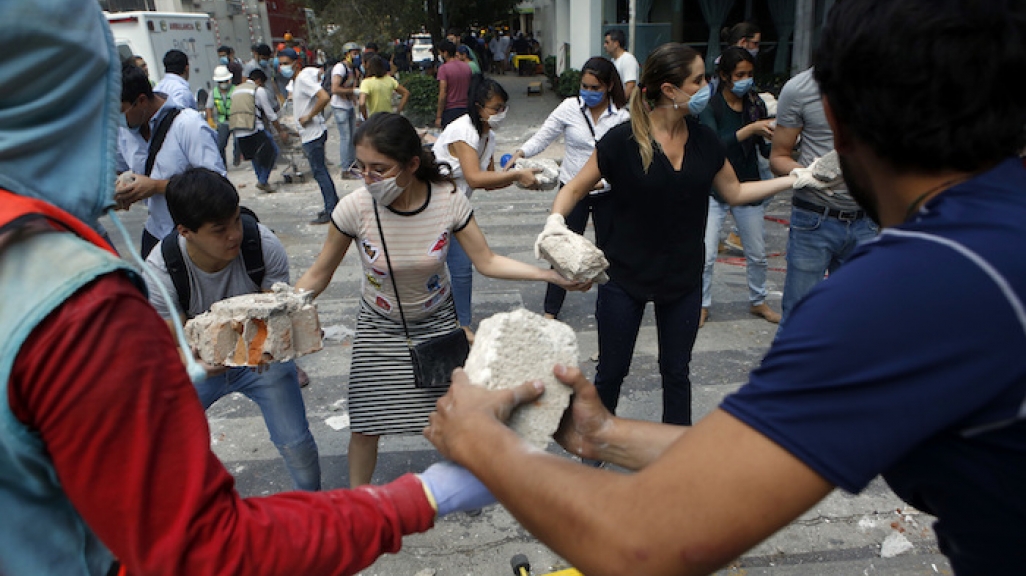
586, 119
252, 246
175, 263
157, 140
391, 273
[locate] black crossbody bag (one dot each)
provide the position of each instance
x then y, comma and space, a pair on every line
436, 358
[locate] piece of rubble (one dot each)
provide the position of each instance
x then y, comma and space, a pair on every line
549, 175
575, 258
253, 329
827, 168
512, 348
894, 544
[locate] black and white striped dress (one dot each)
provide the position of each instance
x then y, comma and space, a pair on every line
382, 396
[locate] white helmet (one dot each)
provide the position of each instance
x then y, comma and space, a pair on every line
222, 74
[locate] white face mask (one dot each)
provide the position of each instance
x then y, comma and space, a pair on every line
385, 191
496, 120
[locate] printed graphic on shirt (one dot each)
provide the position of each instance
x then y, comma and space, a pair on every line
434, 300
376, 277
433, 283
370, 251
374, 281
383, 303
438, 248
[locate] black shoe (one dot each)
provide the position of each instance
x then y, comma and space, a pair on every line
321, 218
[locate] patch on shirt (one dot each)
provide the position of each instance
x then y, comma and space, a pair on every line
370, 251
374, 281
434, 283
438, 248
383, 303
434, 300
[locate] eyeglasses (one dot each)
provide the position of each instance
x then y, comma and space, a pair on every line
361, 171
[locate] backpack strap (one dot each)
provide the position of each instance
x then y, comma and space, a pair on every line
175, 263
157, 140
252, 246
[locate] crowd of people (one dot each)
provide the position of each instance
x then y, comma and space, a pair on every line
923, 306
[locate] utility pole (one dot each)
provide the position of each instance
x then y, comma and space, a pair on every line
632, 16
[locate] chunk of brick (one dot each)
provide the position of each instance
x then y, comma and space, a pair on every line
253, 329
511, 348
575, 258
549, 175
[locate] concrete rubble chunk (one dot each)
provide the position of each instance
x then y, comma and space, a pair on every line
575, 257
827, 168
894, 545
512, 348
251, 329
548, 178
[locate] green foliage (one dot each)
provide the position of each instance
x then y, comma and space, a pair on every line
569, 83
423, 102
550, 66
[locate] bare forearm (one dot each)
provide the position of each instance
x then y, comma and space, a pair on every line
781, 165
504, 268
633, 444
490, 180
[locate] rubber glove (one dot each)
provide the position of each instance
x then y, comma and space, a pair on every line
555, 225
454, 489
824, 173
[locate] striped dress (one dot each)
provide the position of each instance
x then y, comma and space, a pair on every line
382, 395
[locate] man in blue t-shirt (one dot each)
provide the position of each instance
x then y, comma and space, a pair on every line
908, 362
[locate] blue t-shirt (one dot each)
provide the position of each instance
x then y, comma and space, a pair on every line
910, 362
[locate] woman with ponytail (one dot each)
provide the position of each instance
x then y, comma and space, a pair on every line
660, 166
420, 211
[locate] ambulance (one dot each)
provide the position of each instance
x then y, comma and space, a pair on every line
152, 34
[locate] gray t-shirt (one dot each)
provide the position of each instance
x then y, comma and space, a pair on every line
800, 106
207, 288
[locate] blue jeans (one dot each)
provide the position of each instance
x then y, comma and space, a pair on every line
817, 244
345, 119
461, 270
314, 152
263, 173
750, 227
619, 317
276, 392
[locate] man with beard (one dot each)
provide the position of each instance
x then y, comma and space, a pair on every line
907, 362
826, 224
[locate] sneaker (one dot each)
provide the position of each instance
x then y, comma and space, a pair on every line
266, 187
766, 313
322, 218
302, 376
733, 242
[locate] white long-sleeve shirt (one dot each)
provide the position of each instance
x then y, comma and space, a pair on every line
572, 119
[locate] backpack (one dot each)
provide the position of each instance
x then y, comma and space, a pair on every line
157, 139
243, 110
252, 256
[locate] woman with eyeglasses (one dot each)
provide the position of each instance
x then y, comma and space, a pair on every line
582, 120
660, 166
420, 211
468, 144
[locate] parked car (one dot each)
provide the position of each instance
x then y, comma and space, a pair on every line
422, 52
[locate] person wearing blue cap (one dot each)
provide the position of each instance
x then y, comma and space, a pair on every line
105, 459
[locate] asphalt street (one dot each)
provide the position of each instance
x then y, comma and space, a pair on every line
843, 535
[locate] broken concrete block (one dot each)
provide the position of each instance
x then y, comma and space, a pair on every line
548, 178
895, 544
253, 329
511, 348
827, 168
575, 257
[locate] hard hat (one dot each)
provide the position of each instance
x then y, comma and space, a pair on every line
350, 46
222, 74
288, 37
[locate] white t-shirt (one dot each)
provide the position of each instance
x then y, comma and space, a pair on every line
418, 242
342, 69
303, 91
627, 67
462, 130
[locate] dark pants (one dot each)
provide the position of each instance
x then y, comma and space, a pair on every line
619, 318
450, 114
577, 221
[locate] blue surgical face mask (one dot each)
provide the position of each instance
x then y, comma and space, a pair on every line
224, 60
591, 98
287, 71
356, 60
741, 87
698, 100
264, 63
753, 51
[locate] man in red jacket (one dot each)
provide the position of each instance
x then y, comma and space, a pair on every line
104, 446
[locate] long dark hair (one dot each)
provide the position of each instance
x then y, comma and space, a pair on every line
729, 60
393, 135
606, 72
483, 89
742, 30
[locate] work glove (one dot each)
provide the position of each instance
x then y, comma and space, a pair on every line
824, 173
555, 225
454, 488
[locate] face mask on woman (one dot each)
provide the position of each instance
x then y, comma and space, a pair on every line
742, 86
698, 100
385, 191
591, 98
495, 120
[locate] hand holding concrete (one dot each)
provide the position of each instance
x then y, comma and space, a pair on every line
546, 172
454, 488
555, 225
824, 173
573, 256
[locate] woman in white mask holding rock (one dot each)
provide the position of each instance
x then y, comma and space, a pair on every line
403, 223
468, 144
